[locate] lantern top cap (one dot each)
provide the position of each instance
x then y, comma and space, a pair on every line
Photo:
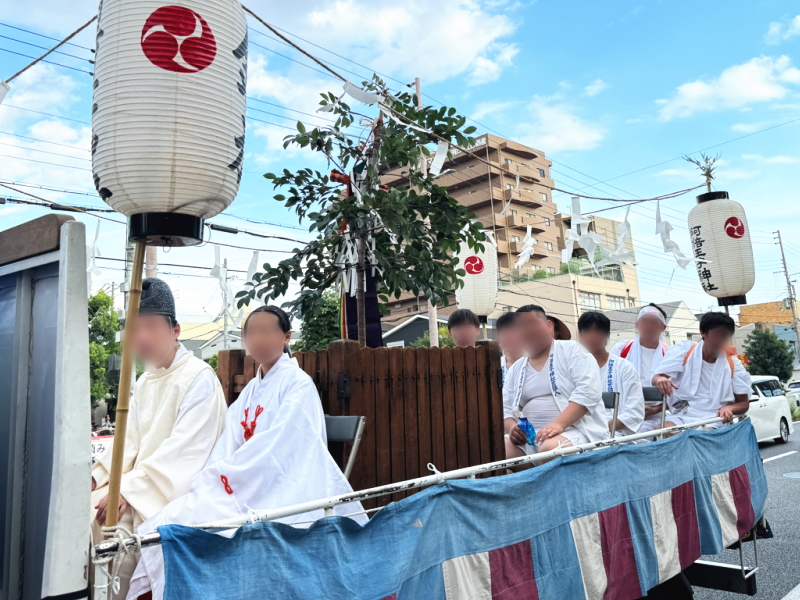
712, 196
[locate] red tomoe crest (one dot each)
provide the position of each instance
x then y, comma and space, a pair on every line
178, 39
473, 265
734, 227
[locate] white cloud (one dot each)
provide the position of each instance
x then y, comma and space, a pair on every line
771, 160
758, 80
632, 121
782, 31
594, 88
724, 174
43, 88
553, 126
484, 109
747, 127
486, 69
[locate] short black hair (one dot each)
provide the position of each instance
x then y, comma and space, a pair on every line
594, 319
283, 319
505, 320
173, 322
534, 308
463, 316
659, 309
713, 320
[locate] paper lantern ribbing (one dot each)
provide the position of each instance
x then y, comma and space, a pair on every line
168, 119
479, 293
720, 235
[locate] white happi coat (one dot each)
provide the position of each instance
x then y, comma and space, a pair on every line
692, 403
634, 355
574, 377
273, 453
622, 377
176, 415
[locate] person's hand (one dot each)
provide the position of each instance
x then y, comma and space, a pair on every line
551, 430
94, 484
650, 411
664, 385
517, 437
102, 508
726, 412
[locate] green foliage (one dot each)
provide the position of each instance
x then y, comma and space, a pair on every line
573, 266
213, 362
103, 327
768, 355
319, 329
417, 227
445, 341
540, 274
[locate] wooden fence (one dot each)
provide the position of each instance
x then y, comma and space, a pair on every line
423, 405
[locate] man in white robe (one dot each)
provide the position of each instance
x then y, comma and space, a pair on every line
645, 353
706, 379
556, 387
273, 453
176, 414
616, 374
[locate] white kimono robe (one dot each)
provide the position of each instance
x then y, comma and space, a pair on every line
621, 376
690, 402
273, 453
574, 377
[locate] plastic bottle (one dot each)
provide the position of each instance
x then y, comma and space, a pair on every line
528, 430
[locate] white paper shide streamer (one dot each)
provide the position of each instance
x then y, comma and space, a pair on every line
479, 293
169, 105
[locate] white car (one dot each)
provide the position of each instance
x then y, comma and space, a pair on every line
769, 410
793, 392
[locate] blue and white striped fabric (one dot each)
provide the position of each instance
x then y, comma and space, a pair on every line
609, 524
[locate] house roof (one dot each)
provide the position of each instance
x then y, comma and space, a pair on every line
409, 321
625, 318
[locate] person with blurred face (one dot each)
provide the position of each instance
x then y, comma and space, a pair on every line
557, 389
464, 327
706, 379
616, 374
273, 452
645, 354
510, 341
176, 414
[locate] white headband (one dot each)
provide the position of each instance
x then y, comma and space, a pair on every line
653, 311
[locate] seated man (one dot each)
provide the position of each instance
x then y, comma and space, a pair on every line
273, 452
177, 412
557, 388
616, 374
464, 327
703, 380
510, 340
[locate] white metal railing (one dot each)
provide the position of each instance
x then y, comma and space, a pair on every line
327, 504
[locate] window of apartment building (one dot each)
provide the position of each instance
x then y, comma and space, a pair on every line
632, 302
509, 186
590, 301
548, 245
527, 190
413, 309
544, 197
547, 221
509, 162
515, 238
512, 212
616, 302
529, 215
551, 270
542, 173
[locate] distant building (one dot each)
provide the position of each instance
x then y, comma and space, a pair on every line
682, 324
769, 312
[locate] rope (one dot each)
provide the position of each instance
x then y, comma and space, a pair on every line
119, 534
54, 48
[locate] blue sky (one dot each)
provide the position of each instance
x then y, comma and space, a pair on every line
610, 91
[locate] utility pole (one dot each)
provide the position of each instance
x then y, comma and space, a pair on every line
790, 291
151, 261
225, 307
433, 316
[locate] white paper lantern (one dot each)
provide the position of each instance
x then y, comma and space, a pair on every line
168, 119
479, 293
720, 235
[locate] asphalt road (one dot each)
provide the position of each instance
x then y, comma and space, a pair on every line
778, 577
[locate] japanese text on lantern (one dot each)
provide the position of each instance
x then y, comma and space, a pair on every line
698, 244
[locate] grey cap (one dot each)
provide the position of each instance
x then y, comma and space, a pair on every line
157, 298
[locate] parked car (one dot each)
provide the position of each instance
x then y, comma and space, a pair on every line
793, 392
769, 410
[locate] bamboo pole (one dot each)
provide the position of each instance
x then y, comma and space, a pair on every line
124, 393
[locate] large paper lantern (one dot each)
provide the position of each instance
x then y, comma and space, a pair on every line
720, 236
168, 119
479, 293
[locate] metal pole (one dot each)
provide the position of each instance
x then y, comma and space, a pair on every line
225, 307
433, 316
790, 290
125, 379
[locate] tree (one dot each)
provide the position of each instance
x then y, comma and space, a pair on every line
103, 327
768, 355
407, 234
444, 339
212, 362
319, 329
